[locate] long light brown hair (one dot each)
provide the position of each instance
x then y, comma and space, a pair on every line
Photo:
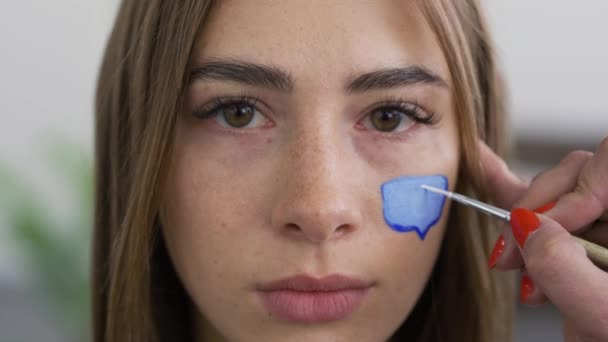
136, 293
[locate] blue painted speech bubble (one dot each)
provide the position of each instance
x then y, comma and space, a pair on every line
408, 207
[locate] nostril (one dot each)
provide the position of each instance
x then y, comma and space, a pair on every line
343, 229
316, 233
292, 227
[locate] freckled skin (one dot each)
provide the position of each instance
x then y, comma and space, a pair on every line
303, 196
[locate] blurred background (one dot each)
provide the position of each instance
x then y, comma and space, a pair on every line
554, 54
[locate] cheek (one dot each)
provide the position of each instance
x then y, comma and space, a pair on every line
204, 224
430, 150
403, 263
204, 242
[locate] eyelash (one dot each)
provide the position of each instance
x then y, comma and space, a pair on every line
411, 109
211, 110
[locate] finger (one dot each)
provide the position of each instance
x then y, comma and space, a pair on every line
570, 332
529, 293
506, 188
560, 268
548, 186
589, 200
544, 189
511, 257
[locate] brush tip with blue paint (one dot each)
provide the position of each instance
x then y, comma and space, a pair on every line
408, 207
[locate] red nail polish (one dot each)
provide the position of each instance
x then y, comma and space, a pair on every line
545, 207
523, 222
526, 289
499, 247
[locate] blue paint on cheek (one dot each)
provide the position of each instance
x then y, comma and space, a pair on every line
408, 207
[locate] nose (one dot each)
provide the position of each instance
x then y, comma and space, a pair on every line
316, 198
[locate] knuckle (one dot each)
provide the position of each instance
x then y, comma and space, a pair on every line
574, 158
595, 198
551, 255
596, 334
604, 316
603, 146
539, 176
577, 157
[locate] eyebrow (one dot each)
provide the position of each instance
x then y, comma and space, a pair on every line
395, 77
274, 78
243, 72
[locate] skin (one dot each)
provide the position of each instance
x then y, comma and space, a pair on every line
300, 192
558, 266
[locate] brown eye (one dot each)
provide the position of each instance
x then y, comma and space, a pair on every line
238, 115
386, 120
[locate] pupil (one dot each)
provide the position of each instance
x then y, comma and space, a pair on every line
386, 120
238, 115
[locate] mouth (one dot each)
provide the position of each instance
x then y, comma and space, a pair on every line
305, 299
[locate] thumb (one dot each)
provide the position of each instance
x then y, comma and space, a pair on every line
560, 268
506, 187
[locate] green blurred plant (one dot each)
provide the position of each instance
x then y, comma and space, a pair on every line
55, 249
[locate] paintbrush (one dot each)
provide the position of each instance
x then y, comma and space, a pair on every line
595, 252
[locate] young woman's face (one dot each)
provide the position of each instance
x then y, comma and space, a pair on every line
297, 112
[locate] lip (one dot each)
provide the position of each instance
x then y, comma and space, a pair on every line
306, 299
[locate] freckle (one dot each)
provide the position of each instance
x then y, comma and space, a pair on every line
268, 140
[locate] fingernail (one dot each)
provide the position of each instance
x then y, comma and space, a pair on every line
545, 207
499, 247
523, 223
526, 289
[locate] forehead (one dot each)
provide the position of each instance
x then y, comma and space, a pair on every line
319, 38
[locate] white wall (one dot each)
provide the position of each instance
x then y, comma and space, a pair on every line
555, 53
50, 54
50, 51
